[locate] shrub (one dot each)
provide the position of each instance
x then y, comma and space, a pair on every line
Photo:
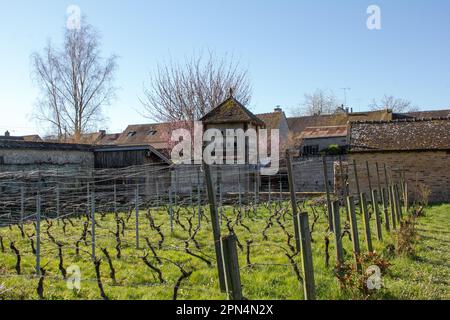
407, 236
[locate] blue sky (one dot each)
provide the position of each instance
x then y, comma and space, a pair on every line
289, 47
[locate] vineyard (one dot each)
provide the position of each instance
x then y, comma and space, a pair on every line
120, 244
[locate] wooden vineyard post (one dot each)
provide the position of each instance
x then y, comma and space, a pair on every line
376, 211
406, 198
358, 191
93, 225
354, 231
327, 190
344, 187
136, 204
171, 210
385, 209
293, 198
38, 233
366, 222
379, 184
22, 204
231, 268
372, 199
392, 206
199, 199
337, 233
307, 260
398, 204
215, 225
57, 201
115, 199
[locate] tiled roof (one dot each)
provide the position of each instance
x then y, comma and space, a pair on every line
20, 144
109, 139
324, 132
272, 120
230, 111
31, 138
298, 124
400, 135
154, 134
423, 114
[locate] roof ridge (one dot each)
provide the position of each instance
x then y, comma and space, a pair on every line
401, 120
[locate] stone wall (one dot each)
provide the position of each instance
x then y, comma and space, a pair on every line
427, 168
26, 159
308, 173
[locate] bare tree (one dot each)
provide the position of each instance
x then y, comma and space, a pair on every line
322, 101
395, 104
188, 90
75, 83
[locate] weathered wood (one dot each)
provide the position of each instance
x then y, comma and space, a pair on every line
38, 234
376, 211
392, 207
93, 226
337, 233
366, 221
293, 198
344, 187
368, 175
231, 268
406, 198
398, 206
354, 232
171, 210
215, 225
386, 209
358, 190
327, 190
136, 204
307, 259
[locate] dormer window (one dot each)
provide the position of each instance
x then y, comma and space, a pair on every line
131, 134
152, 132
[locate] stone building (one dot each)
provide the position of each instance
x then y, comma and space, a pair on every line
418, 149
315, 140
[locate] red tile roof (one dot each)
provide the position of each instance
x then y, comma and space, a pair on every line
324, 132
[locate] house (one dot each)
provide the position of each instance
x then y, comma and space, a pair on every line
297, 125
315, 140
417, 149
32, 138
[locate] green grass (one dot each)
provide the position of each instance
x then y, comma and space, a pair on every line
424, 275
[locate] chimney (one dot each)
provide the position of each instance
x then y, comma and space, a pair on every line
102, 132
278, 109
7, 134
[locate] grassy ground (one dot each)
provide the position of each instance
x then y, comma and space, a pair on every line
423, 275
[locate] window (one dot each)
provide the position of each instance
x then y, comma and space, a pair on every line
2, 160
131, 133
152, 132
311, 150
